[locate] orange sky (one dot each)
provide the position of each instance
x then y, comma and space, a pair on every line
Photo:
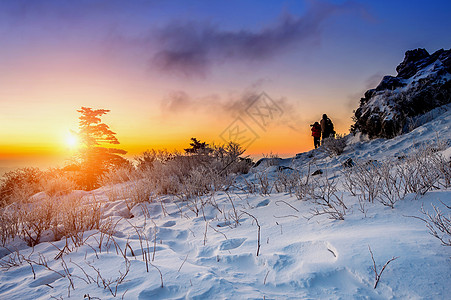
172, 70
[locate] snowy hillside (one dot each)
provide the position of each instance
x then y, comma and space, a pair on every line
265, 243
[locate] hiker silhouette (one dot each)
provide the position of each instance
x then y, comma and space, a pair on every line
316, 133
327, 127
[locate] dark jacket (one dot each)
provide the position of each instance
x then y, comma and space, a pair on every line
327, 127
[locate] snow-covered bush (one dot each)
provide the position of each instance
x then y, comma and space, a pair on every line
391, 182
439, 223
425, 169
19, 185
326, 195
9, 225
194, 173
35, 218
57, 184
264, 182
229, 159
286, 181
117, 175
365, 179
334, 146
74, 216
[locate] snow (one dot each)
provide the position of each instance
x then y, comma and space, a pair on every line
213, 255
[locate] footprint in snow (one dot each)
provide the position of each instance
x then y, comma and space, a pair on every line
231, 244
168, 224
157, 292
312, 251
263, 203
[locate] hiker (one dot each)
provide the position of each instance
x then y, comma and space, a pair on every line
316, 133
327, 127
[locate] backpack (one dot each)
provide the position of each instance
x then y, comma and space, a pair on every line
329, 126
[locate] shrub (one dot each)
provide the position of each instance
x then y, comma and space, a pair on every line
56, 182
425, 169
35, 218
334, 146
76, 215
9, 225
392, 184
205, 170
19, 185
438, 223
287, 181
146, 159
114, 176
324, 192
366, 180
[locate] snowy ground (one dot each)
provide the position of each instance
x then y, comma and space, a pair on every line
214, 255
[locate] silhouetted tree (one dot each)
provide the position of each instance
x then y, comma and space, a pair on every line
198, 147
94, 158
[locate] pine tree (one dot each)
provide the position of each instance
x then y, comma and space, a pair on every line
198, 147
96, 159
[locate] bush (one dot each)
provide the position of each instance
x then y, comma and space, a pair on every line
19, 185
194, 173
35, 218
115, 176
334, 146
9, 225
76, 215
57, 182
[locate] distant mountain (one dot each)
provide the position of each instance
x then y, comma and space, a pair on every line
398, 104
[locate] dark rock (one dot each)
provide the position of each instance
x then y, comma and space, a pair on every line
369, 94
257, 163
349, 163
317, 172
409, 65
389, 83
283, 168
422, 84
372, 163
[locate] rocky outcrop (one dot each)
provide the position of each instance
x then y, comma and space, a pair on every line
423, 83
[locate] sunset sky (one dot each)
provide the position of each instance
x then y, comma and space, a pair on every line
172, 70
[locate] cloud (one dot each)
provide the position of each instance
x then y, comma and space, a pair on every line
371, 82
191, 48
229, 107
235, 103
177, 101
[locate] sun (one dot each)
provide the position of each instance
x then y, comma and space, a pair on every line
71, 140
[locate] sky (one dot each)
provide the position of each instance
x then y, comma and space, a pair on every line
256, 72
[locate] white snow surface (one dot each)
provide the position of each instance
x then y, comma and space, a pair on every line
209, 257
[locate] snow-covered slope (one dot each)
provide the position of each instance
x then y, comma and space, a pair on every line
213, 255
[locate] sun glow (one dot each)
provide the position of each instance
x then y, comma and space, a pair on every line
72, 140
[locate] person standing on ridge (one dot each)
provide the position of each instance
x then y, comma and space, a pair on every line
327, 127
316, 133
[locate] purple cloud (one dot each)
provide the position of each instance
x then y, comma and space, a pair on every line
191, 48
